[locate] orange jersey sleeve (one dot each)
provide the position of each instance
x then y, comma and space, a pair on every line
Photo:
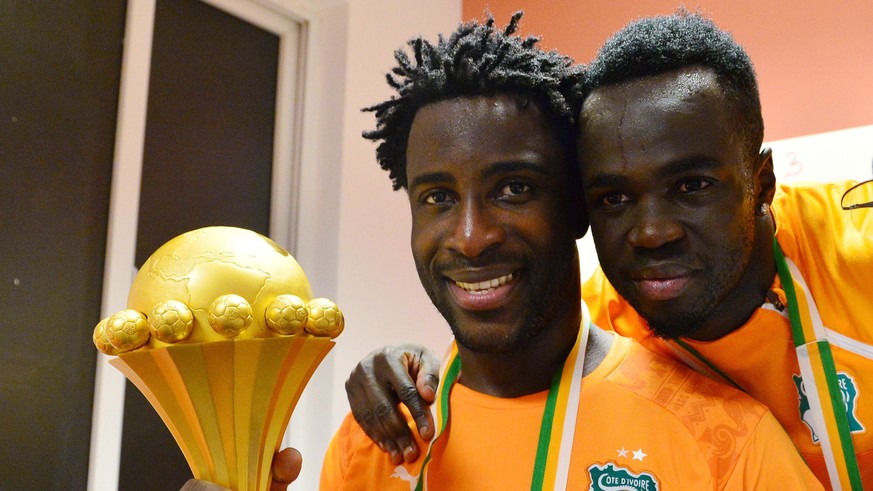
353, 462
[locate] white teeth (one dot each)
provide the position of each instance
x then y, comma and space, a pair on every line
485, 286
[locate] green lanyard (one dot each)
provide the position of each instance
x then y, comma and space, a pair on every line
551, 465
819, 377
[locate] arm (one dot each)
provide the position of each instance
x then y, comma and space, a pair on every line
406, 373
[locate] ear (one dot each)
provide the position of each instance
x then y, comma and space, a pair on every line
765, 179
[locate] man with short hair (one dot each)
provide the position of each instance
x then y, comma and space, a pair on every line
533, 396
683, 215
684, 209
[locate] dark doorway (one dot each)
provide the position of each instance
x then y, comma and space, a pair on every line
207, 160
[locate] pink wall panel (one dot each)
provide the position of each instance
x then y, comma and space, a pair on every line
814, 59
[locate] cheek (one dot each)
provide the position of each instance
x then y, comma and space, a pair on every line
549, 231
725, 224
605, 230
424, 241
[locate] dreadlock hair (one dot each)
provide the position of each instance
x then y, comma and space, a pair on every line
477, 59
655, 45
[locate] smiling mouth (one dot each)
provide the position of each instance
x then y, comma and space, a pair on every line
484, 287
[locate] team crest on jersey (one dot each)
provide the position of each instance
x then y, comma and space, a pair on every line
610, 477
849, 391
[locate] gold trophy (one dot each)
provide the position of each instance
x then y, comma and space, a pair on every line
221, 335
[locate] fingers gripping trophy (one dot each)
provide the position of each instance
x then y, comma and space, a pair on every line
221, 335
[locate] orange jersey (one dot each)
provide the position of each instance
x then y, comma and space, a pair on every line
837, 263
645, 422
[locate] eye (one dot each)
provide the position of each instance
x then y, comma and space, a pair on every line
436, 197
693, 185
611, 200
514, 188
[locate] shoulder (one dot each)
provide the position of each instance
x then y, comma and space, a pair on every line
679, 389
825, 242
724, 423
807, 206
353, 461
351, 438
811, 194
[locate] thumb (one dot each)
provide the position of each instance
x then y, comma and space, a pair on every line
286, 468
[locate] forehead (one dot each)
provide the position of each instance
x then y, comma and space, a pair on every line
469, 133
670, 116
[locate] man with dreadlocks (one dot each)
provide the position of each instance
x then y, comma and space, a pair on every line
480, 135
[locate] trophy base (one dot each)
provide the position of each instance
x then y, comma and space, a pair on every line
227, 403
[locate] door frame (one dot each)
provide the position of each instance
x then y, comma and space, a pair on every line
300, 165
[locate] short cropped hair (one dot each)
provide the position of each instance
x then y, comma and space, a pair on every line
655, 45
477, 59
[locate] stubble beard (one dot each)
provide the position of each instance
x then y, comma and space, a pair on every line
726, 277
537, 315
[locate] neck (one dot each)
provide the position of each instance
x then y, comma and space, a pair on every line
749, 294
531, 369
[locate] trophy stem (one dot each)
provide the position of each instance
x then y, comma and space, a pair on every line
227, 403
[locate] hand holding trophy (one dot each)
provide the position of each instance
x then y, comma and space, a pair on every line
221, 335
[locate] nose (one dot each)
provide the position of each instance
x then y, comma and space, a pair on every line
655, 225
476, 229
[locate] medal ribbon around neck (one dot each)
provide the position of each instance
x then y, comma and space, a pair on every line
819, 377
558, 427
816, 369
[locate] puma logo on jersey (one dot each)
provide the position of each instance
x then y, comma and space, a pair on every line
610, 477
849, 392
400, 472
